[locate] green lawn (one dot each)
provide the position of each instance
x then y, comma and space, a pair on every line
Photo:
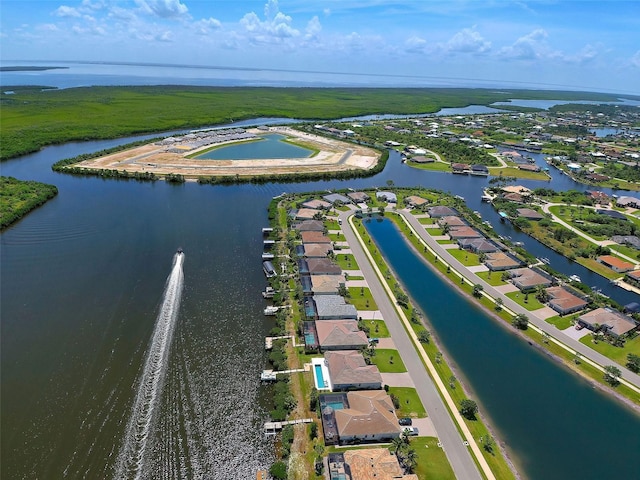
331, 224
337, 237
435, 231
346, 261
361, 298
616, 354
410, 404
388, 361
426, 220
432, 461
492, 278
377, 328
561, 322
433, 166
468, 259
355, 277
517, 173
446, 242
531, 302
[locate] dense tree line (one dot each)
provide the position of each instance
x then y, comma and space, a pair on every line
19, 197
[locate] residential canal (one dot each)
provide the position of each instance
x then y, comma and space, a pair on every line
82, 282
546, 416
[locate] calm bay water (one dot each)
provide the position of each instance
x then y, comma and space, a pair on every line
270, 146
547, 416
82, 282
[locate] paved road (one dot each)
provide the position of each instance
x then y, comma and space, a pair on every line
458, 454
584, 350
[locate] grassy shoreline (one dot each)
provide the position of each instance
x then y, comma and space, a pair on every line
19, 197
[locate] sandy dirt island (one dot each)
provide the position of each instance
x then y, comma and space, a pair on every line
333, 155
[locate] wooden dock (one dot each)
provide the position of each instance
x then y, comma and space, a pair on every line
270, 375
268, 341
272, 428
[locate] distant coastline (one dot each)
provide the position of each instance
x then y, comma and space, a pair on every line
29, 68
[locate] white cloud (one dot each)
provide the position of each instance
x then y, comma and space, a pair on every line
327, 12
467, 40
122, 14
415, 45
65, 11
164, 8
313, 28
48, 27
528, 47
206, 25
635, 60
96, 30
276, 28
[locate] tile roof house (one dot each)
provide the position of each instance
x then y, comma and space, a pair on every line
441, 211
527, 279
633, 278
317, 204
322, 266
563, 301
415, 201
318, 250
477, 245
314, 237
626, 201
367, 464
348, 370
613, 322
513, 197
306, 214
370, 417
451, 221
310, 226
501, 261
336, 198
529, 214
330, 307
463, 232
615, 263
358, 197
340, 335
326, 284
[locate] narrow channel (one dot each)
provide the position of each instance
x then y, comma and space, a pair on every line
551, 420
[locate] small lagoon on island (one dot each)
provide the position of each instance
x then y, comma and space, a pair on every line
265, 147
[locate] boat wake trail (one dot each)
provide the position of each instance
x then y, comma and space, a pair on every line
131, 459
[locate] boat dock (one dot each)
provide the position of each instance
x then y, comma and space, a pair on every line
272, 428
268, 341
271, 375
267, 230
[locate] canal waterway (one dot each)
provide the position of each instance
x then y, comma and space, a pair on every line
546, 416
82, 283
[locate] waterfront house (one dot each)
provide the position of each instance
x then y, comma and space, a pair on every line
529, 167
349, 371
612, 213
306, 214
317, 204
513, 197
442, 211
326, 284
461, 168
564, 301
366, 464
385, 196
358, 197
310, 226
331, 307
529, 214
415, 201
336, 198
422, 159
630, 240
611, 321
451, 221
477, 245
479, 169
314, 237
322, 266
340, 335
633, 278
501, 261
615, 264
369, 417
314, 250
456, 233
626, 201
599, 198
527, 279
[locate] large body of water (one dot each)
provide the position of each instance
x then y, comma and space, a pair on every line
266, 147
82, 294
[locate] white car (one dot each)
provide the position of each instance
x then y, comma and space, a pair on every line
411, 431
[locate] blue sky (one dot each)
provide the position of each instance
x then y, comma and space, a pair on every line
592, 45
